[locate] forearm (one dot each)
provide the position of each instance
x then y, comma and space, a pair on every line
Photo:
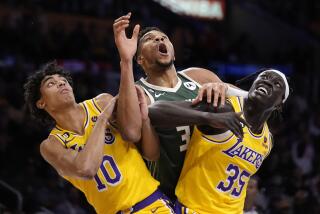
149, 141
234, 91
89, 159
128, 111
176, 113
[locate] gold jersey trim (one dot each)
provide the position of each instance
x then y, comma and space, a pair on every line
257, 136
59, 139
95, 104
219, 138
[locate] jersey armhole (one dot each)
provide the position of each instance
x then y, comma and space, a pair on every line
96, 105
148, 94
59, 139
270, 144
182, 73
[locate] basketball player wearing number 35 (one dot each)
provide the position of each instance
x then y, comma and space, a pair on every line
218, 163
85, 147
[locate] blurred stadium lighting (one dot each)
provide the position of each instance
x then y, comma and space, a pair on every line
208, 9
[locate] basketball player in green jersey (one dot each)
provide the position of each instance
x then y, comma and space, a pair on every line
155, 55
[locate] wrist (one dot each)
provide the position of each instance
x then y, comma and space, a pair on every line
103, 119
205, 118
231, 91
126, 62
146, 121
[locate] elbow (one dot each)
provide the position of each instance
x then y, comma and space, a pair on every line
131, 134
88, 172
152, 157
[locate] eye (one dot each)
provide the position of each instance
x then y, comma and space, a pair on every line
147, 38
278, 84
51, 83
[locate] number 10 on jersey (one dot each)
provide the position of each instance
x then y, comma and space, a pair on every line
235, 176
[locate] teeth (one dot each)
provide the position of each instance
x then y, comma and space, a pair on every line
264, 90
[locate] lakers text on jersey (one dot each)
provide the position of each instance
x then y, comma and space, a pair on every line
217, 168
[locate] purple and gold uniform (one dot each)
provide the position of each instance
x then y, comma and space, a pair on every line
217, 169
123, 183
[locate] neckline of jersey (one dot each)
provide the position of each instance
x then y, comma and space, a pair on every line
160, 88
85, 122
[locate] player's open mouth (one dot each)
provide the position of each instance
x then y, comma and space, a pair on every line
64, 91
263, 90
163, 49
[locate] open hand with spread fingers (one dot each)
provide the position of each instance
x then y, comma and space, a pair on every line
230, 120
127, 47
212, 92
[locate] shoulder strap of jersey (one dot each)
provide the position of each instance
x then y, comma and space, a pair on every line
236, 102
58, 134
145, 88
185, 76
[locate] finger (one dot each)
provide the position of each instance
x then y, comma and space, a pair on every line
209, 94
216, 97
223, 95
244, 122
120, 24
123, 17
238, 128
135, 33
200, 94
233, 129
195, 101
141, 96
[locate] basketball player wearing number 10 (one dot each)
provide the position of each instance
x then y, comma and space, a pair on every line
86, 149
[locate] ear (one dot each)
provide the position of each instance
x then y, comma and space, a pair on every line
40, 104
278, 107
140, 60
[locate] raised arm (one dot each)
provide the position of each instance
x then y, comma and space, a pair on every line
86, 163
180, 113
128, 112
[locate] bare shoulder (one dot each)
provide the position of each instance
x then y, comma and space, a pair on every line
201, 75
49, 147
103, 99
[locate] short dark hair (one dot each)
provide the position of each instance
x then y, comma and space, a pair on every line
32, 90
141, 34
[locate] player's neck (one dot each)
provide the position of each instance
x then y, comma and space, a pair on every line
71, 118
165, 78
256, 116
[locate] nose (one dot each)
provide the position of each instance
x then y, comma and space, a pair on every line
61, 83
159, 38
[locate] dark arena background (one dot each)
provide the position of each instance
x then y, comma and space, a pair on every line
230, 37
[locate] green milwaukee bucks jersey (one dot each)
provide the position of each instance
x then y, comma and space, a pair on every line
173, 142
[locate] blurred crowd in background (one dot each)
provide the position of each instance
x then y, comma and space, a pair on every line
79, 35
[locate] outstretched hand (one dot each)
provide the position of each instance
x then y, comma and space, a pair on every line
230, 120
127, 47
212, 92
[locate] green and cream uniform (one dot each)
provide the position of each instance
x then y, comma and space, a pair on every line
173, 142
